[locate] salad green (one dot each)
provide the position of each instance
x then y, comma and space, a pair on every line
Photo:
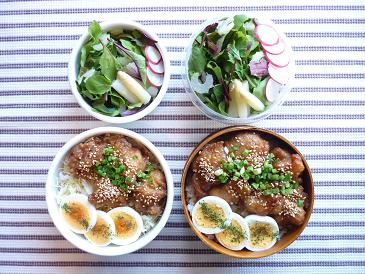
102, 60
228, 50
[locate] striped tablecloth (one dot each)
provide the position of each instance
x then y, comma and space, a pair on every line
324, 116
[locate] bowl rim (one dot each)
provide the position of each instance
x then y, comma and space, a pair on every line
203, 108
210, 243
73, 72
81, 242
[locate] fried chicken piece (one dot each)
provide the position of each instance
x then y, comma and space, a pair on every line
227, 192
106, 195
197, 187
130, 156
83, 156
288, 162
149, 198
257, 147
257, 204
207, 162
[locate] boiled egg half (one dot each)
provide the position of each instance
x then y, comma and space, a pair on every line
209, 213
128, 225
263, 232
234, 237
103, 231
78, 214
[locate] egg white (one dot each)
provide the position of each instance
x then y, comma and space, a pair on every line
137, 217
82, 199
109, 221
261, 219
219, 202
242, 222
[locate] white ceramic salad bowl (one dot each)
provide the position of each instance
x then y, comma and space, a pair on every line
73, 71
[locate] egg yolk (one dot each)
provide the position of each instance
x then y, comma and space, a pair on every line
203, 221
125, 224
76, 215
261, 234
100, 233
228, 238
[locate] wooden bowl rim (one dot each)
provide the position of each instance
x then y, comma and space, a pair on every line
217, 247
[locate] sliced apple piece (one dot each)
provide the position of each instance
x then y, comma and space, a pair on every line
249, 98
134, 87
123, 91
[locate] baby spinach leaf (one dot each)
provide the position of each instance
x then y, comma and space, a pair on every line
222, 108
108, 65
218, 92
197, 60
98, 84
95, 30
138, 59
122, 61
258, 91
85, 50
208, 102
233, 54
135, 105
130, 46
116, 99
216, 70
110, 111
239, 20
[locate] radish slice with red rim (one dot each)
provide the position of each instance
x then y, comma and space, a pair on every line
154, 79
153, 55
275, 49
159, 68
267, 35
279, 60
280, 75
153, 91
272, 90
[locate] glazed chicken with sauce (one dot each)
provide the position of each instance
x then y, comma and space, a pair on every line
146, 198
283, 208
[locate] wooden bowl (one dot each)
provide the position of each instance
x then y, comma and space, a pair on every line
275, 139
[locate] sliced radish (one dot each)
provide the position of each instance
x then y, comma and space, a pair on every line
153, 91
275, 49
267, 35
278, 60
280, 75
152, 54
272, 90
159, 69
154, 79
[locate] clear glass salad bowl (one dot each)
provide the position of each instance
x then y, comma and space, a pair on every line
253, 118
